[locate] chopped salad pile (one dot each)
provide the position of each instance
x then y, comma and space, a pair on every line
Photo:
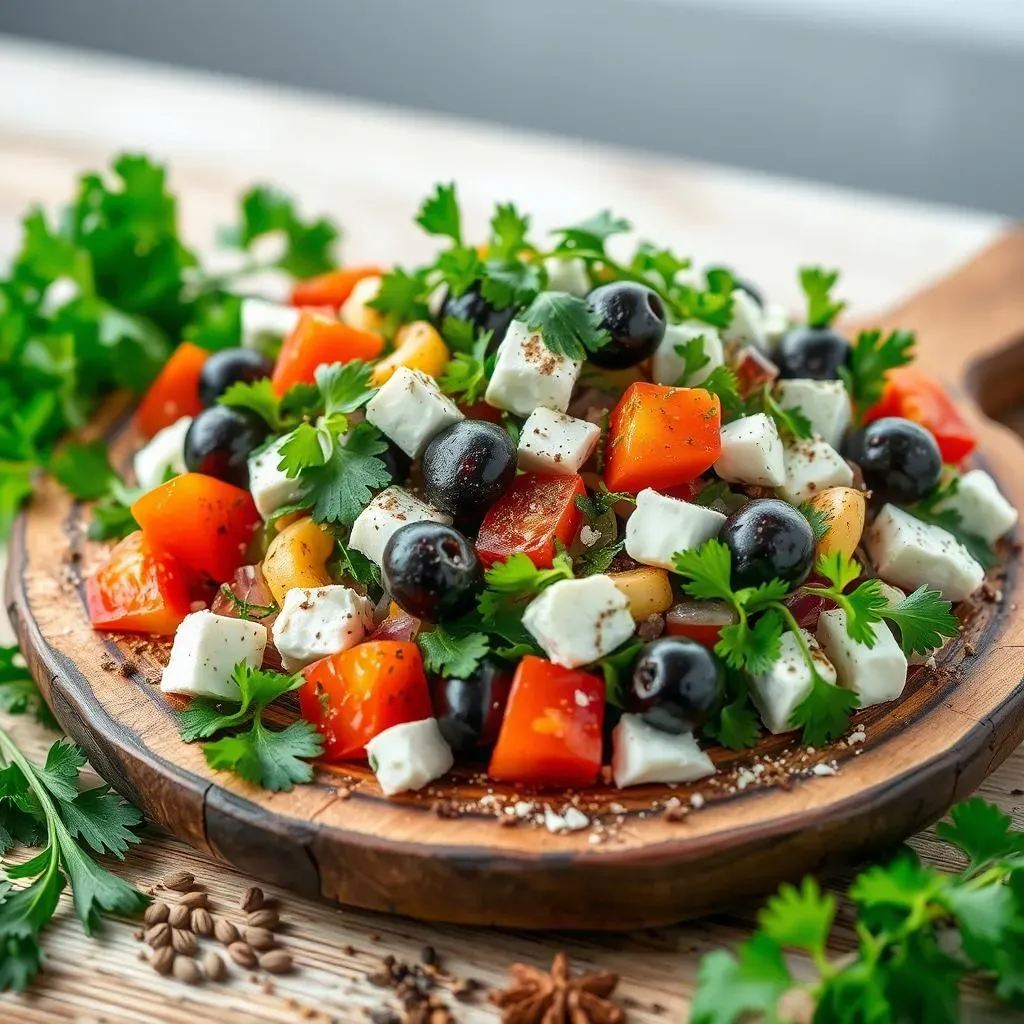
546, 512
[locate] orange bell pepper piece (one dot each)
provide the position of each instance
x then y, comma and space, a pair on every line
333, 288
175, 392
315, 341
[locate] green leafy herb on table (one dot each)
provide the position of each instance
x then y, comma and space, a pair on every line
85, 470
42, 806
275, 759
18, 692
97, 298
920, 933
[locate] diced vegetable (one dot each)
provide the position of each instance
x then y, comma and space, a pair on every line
206, 524
333, 288
297, 557
398, 625
137, 590
661, 437
418, 346
753, 370
699, 620
353, 696
318, 340
534, 513
246, 596
912, 393
175, 392
357, 311
841, 511
647, 590
551, 735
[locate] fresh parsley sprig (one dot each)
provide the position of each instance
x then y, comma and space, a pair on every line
567, 324
86, 472
275, 759
467, 373
817, 284
18, 692
920, 932
41, 805
872, 355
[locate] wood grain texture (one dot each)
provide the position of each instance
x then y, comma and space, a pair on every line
950, 729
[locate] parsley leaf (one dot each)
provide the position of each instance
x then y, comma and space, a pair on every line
509, 229
824, 713
257, 396
84, 469
273, 759
345, 387
731, 987
591, 235
402, 297
341, 487
358, 567
924, 621
567, 325
601, 502
509, 586
450, 653
465, 375
870, 358
817, 285
440, 214
18, 692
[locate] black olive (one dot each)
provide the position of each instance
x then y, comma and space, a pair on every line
431, 571
768, 539
220, 440
231, 366
470, 710
815, 352
634, 316
473, 308
900, 460
676, 684
466, 468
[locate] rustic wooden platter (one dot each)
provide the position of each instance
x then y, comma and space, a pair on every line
646, 857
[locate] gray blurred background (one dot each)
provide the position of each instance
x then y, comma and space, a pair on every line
920, 98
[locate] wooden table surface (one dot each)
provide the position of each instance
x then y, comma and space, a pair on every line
369, 167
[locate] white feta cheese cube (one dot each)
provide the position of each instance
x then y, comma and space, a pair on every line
811, 466
747, 324
642, 754
567, 276
578, 621
410, 409
266, 324
876, 674
778, 692
983, 509
270, 487
667, 365
826, 403
551, 442
385, 515
910, 554
660, 526
205, 651
320, 621
528, 375
893, 596
165, 453
408, 756
752, 452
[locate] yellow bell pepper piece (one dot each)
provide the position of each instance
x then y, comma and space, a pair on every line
297, 557
417, 346
647, 590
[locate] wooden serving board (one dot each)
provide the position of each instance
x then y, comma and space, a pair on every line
775, 813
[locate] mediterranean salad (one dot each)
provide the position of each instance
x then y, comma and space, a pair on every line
562, 511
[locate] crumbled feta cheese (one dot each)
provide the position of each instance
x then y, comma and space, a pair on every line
811, 466
266, 324
553, 443
570, 820
660, 526
589, 537
983, 509
697, 801
320, 621
205, 651
752, 452
578, 621
163, 454
408, 756
667, 365
271, 488
823, 769
642, 754
910, 553
777, 692
876, 674
528, 375
747, 325
825, 403
389, 511
567, 276
410, 409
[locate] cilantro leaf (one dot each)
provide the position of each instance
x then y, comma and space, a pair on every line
451, 654
358, 567
257, 396
273, 759
601, 502
591, 234
729, 988
402, 296
440, 214
709, 306
755, 647
723, 382
817, 285
824, 714
460, 268
693, 356
342, 487
567, 325
84, 469
302, 449
510, 283
792, 423
509, 229
345, 387
660, 264
931, 510
924, 621
18, 692
709, 569
112, 515
465, 375
597, 560
509, 586
982, 831
819, 522
799, 918
736, 724
102, 819
870, 358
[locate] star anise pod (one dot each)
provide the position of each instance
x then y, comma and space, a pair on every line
556, 997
